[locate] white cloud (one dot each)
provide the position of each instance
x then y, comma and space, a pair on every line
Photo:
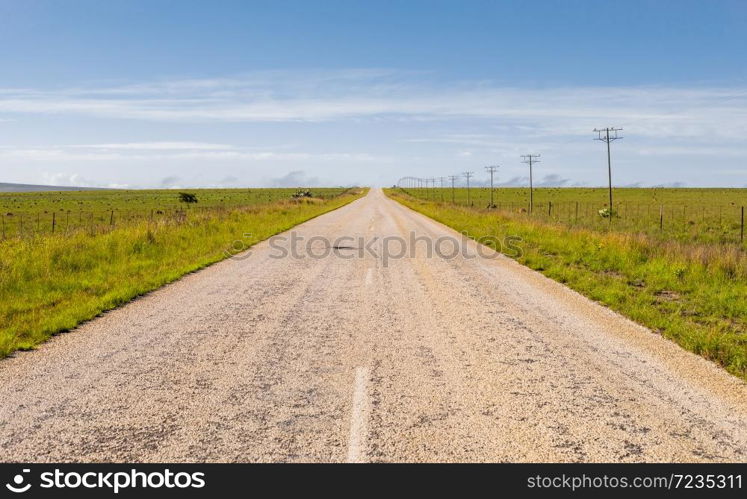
297, 178
384, 124
172, 151
553, 180
75, 180
342, 95
156, 146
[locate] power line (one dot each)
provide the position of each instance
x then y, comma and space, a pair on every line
453, 179
603, 134
468, 175
530, 159
492, 169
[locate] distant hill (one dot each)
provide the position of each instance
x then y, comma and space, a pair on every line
40, 188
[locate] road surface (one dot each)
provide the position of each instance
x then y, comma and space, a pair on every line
346, 358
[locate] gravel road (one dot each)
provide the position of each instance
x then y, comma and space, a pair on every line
349, 358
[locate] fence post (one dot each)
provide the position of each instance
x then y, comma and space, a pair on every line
741, 228
576, 211
111, 218
549, 209
3, 225
661, 217
54, 220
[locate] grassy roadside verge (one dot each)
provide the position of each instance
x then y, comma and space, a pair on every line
694, 294
51, 283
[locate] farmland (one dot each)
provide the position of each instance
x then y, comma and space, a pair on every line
120, 244
32, 213
705, 215
687, 281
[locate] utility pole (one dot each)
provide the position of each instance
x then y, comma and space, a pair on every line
442, 188
453, 179
603, 134
492, 170
530, 159
468, 175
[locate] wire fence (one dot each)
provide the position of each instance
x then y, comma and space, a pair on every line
702, 222
93, 221
96, 221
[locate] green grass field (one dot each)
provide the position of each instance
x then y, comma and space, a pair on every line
688, 287
50, 282
37, 212
707, 215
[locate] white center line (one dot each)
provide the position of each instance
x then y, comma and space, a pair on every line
358, 418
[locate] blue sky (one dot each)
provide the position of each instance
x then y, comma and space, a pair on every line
175, 94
